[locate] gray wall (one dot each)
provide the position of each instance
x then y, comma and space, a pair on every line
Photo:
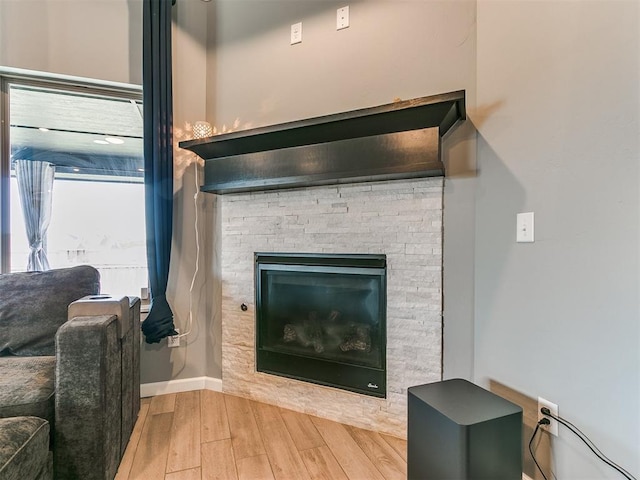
199, 353
558, 134
233, 65
102, 39
556, 110
99, 39
399, 49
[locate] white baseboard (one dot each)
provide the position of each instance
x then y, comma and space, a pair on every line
180, 385
214, 384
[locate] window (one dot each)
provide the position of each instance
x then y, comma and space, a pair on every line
72, 188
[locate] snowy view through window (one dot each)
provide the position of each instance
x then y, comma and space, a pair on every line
94, 223
78, 155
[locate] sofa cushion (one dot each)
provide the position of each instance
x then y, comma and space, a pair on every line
24, 448
33, 305
27, 387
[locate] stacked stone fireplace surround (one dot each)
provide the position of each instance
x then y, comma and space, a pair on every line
401, 219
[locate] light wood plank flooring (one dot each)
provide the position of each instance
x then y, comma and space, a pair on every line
205, 435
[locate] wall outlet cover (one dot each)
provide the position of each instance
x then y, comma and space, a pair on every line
174, 340
552, 428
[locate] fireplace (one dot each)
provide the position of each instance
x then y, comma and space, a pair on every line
399, 220
367, 181
321, 318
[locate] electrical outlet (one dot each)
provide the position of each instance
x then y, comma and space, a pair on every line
552, 428
342, 18
174, 340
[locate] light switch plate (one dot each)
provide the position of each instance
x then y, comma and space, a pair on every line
342, 18
296, 33
524, 229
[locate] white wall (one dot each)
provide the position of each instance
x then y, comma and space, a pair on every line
557, 117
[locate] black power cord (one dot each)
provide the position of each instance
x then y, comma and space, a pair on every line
543, 421
576, 431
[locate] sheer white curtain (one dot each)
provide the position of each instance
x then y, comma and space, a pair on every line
35, 186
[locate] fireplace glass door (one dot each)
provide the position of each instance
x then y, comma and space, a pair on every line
321, 318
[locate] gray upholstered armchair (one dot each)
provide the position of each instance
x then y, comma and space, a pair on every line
71, 356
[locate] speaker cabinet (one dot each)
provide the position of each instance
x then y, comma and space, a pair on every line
458, 431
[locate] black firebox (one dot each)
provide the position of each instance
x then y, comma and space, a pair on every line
321, 318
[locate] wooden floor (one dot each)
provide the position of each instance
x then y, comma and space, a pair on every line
208, 435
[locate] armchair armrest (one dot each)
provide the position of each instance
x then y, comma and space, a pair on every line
104, 305
134, 372
88, 398
97, 385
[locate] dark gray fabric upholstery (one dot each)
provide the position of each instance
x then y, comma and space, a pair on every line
88, 413
26, 387
127, 388
90, 387
47, 472
135, 374
24, 449
33, 305
128, 312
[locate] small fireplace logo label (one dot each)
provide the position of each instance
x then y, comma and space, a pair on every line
372, 385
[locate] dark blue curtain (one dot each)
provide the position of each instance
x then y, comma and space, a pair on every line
158, 162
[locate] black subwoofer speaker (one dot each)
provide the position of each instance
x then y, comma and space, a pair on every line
458, 431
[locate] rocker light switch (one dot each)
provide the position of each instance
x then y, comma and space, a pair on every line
524, 231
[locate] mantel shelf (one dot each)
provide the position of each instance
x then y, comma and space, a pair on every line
398, 140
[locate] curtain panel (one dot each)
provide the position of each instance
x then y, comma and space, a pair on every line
158, 162
35, 187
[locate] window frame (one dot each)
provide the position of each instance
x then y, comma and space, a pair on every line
10, 77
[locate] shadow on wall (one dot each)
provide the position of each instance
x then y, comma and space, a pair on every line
155, 362
495, 237
542, 446
464, 165
482, 112
457, 164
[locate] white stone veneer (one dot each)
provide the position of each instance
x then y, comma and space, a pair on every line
402, 219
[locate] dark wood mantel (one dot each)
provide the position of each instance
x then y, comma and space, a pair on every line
393, 141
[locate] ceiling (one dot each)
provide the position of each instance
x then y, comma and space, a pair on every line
73, 123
